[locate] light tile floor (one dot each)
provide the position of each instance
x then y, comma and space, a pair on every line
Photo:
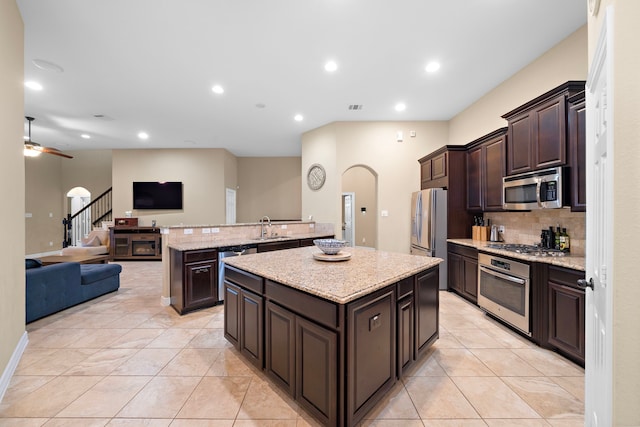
124, 360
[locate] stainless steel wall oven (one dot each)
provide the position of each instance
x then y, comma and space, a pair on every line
504, 290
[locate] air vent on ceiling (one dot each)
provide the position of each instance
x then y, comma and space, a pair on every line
355, 107
103, 117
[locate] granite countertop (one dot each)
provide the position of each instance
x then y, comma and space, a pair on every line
238, 224
338, 281
225, 242
567, 261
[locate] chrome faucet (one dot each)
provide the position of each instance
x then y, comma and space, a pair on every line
262, 230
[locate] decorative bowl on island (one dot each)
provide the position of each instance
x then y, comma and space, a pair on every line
330, 246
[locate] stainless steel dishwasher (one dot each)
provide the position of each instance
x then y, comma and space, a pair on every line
227, 252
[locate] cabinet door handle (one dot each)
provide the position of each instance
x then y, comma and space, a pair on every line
201, 270
584, 283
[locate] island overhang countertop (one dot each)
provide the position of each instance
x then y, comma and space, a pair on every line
339, 281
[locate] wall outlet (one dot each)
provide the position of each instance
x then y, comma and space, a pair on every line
501, 228
206, 231
283, 226
188, 231
215, 230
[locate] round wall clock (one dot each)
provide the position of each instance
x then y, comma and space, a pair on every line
316, 177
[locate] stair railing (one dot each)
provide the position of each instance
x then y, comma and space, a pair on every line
81, 223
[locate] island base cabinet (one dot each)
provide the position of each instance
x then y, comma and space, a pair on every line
427, 305
371, 350
317, 370
301, 357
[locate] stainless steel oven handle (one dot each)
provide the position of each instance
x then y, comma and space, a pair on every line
517, 280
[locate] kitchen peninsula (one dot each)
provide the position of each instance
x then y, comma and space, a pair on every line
335, 335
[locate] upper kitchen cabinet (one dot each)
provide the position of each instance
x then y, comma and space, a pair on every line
446, 168
576, 132
537, 130
486, 166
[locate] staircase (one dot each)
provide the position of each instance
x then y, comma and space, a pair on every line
92, 215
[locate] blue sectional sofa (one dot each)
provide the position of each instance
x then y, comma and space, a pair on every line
55, 287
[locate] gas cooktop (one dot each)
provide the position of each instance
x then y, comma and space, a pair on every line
526, 249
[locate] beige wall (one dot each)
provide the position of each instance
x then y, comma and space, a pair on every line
565, 61
268, 186
12, 189
341, 145
44, 201
90, 169
362, 182
201, 171
626, 204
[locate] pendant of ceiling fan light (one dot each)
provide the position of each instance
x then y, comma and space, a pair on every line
33, 149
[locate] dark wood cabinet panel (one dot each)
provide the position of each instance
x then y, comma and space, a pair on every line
576, 131
537, 136
550, 145
486, 160
232, 313
406, 335
565, 313
520, 145
463, 271
277, 246
251, 332
371, 352
193, 279
317, 370
280, 346
447, 168
474, 179
427, 301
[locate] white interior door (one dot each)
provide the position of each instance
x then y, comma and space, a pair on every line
230, 206
599, 272
348, 220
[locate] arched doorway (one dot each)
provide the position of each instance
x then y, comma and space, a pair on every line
78, 198
360, 206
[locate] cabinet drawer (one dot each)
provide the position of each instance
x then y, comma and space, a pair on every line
405, 287
467, 251
204, 255
565, 276
143, 237
319, 310
244, 279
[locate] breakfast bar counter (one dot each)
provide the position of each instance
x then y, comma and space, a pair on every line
335, 335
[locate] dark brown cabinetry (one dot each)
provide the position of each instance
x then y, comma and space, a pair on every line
277, 246
576, 131
427, 302
244, 313
566, 311
194, 279
129, 243
446, 168
405, 325
537, 136
486, 166
463, 271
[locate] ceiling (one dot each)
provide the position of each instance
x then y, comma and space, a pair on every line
150, 65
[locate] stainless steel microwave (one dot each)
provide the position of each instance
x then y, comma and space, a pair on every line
543, 189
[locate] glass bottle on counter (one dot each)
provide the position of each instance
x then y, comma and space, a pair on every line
557, 238
566, 241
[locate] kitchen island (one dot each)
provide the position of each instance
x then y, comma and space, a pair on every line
335, 335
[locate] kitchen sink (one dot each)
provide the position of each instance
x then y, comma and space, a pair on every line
270, 238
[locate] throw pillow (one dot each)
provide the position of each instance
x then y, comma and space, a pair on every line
32, 263
92, 241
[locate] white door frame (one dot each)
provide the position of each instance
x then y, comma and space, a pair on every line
352, 237
599, 232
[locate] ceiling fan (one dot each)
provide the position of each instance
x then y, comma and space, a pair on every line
33, 149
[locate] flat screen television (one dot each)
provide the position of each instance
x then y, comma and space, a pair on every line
157, 195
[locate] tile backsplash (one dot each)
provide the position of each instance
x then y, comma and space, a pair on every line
526, 227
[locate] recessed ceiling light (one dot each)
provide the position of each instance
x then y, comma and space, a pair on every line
261, 105
48, 66
217, 89
143, 135
85, 136
432, 67
400, 107
33, 85
330, 66
298, 117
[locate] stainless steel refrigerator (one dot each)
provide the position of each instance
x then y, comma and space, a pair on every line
429, 227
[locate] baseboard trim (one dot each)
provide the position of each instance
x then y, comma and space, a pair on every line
165, 301
5, 379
